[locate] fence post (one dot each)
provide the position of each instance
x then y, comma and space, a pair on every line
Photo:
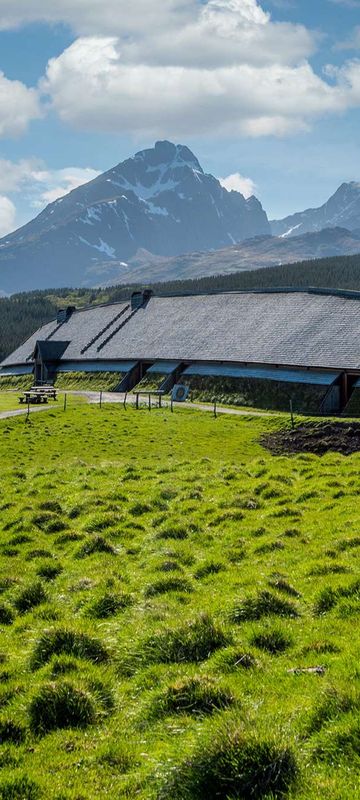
137, 400
100, 399
171, 404
28, 409
215, 414
292, 415
149, 401
65, 401
125, 397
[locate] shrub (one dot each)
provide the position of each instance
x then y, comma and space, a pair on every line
30, 597
109, 604
96, 545
198, 695
6, 614
168, 585
232, 765
274, 641
20, 789
60, 705
49, 571
67, 642
11, 732
265, 604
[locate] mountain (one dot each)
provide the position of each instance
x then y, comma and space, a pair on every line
158, 203
341, 210
251, 254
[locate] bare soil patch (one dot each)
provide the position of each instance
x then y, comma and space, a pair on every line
318, 438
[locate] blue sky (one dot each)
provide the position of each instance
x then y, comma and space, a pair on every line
267, 92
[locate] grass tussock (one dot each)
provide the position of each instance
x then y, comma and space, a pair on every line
265, 604
30, 597
233, 765
198, 695
67, 642
22, 788
60, 705
274, 641
109, 604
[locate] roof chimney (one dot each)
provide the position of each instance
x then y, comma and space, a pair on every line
64, 314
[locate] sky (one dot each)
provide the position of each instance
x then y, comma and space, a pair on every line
267, 94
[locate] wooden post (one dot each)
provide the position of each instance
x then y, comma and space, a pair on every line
65, 401
292, 414
137, 400
159, 400
100, 399
171, 403
28, 409
149, 401
125, 397
215, 414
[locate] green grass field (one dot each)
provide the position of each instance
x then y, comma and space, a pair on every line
178, 610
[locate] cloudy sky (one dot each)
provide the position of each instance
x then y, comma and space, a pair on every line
266, 93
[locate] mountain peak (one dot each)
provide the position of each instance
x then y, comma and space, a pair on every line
166, 153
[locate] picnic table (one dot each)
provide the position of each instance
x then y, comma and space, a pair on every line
33, 397
49, 391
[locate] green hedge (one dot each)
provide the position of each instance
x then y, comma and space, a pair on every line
256, 392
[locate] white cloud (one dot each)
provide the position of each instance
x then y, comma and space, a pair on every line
91, 87
183, 67
18, 106
7, 215
238, 183
49, 185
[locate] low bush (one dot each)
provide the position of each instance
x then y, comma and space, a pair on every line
264, 605
198, 695
30, 597
70, 643
60, 705
229, 764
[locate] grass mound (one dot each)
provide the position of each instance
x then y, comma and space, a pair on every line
96, 545
274, 641
30, 597
20, 789
198, 695
11, 732
109, 604
60, 705
168, 585
264, 605
67, 642
333, 703
330, 597
193, 642
230, 764
6, 614
49, 571
316, 437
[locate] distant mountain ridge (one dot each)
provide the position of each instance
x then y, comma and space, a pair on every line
341, 210
160, 202
251, 254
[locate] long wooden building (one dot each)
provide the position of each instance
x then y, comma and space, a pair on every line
289, 337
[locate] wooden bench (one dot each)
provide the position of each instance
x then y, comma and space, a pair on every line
49, 391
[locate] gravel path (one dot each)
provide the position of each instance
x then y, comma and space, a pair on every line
20, 412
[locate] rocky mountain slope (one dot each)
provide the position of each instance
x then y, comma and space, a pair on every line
341, 210
252, 254
159, 203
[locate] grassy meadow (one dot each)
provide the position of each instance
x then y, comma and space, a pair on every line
178, 610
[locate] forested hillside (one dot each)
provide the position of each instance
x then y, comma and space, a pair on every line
21, 314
